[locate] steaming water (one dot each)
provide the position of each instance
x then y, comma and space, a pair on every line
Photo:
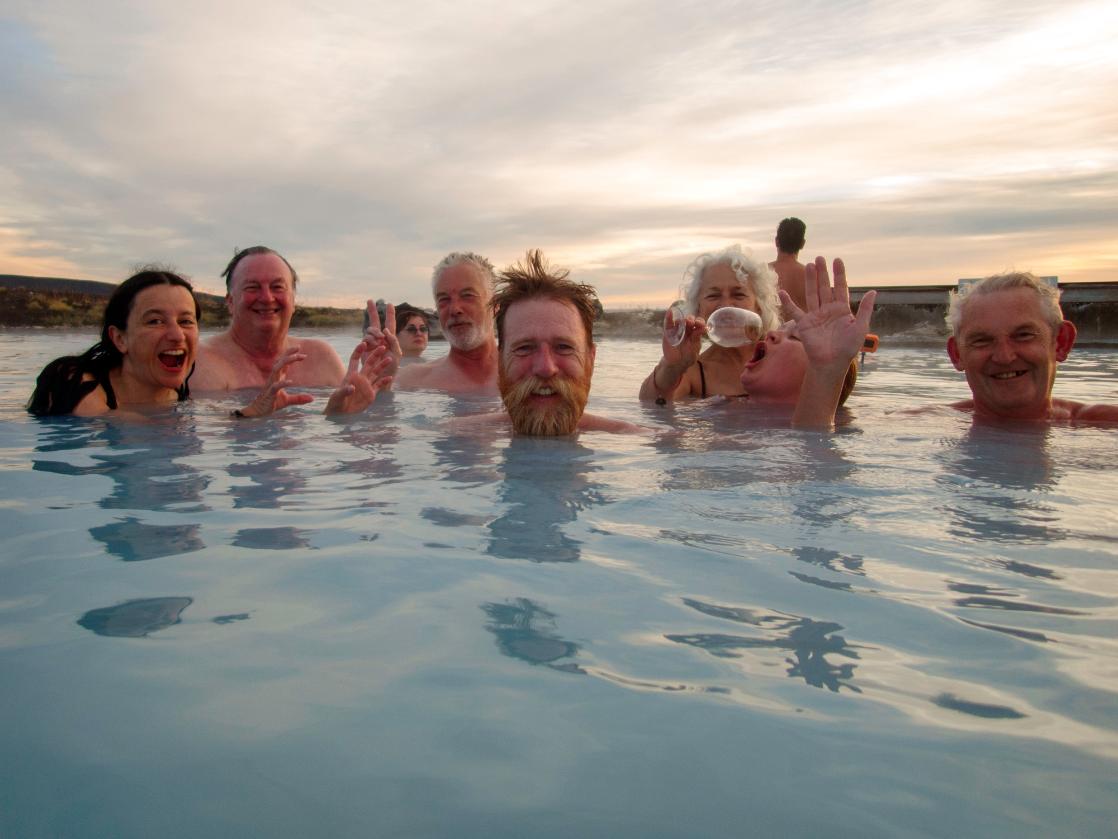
303, 627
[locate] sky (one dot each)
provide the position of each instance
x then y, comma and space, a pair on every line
922, 142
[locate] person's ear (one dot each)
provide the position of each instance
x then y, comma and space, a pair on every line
593, 355
229, 304
1065, 339
117, 337
953, 353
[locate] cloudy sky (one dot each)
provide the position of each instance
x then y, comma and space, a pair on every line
921, 141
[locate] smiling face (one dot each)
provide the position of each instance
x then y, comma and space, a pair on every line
261, 294
776, 370
547, 361
1009, 352
158, 343
413, 336
721, 287
462, 297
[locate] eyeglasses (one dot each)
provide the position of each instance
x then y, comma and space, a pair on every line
417, 330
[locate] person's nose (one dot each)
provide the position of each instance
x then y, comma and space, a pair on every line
1003, 351
175, 332
543, 363
774, 336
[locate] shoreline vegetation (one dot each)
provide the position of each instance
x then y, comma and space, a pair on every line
904, 316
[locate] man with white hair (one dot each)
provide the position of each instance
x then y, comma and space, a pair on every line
1008, 334
462, 283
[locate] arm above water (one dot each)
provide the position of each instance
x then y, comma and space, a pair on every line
385, 335
669, 380
274, 396
832, 336
366, 377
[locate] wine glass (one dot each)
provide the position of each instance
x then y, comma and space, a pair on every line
733, 327
675, 321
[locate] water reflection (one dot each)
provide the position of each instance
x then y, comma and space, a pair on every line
525, 630
809, 641
144, 462
376, 435
466, 459
272, 538
544, 484
135, 618
1006, 475
976, 709
131, 540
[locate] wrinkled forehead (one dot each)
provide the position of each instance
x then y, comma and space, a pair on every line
1003, 310
543, 319
261, 268
462, 277
720, 274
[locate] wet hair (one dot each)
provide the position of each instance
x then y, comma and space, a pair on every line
790, 235
255, 250
1048, 296
751, 273
457, 258
533, 278
404, 313
60, 387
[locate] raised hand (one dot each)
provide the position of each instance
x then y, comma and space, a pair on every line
274, 397
687, 353
367, 375
831, 334
386, 335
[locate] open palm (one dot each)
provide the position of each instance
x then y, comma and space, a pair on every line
829, 331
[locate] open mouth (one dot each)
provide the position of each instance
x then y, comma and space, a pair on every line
173, 359
758, 353
1011, 374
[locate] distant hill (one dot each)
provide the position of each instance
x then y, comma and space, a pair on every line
58, 301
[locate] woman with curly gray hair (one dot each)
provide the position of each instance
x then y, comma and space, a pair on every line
730, 277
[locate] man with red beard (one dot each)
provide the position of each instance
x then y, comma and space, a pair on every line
545, 326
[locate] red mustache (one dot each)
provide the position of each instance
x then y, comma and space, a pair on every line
553, 420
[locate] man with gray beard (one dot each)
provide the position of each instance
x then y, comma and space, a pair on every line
463, 285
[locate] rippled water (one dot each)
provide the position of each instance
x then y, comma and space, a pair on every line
373, 627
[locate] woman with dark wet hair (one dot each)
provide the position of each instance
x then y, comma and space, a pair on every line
149, 337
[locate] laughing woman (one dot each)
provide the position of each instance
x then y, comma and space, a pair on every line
149, 336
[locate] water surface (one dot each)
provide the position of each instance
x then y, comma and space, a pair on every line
373, 627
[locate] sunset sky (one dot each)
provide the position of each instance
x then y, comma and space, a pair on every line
922, 142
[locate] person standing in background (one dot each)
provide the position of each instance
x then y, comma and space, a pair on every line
789, 270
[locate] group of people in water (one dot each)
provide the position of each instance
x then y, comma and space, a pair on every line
526, 334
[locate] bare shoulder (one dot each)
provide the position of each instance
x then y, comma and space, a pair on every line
1090, 414
213, 369
418, 375
593, 422
489, 421
314, 347
94, 404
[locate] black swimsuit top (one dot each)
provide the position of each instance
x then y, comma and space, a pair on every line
703, 382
